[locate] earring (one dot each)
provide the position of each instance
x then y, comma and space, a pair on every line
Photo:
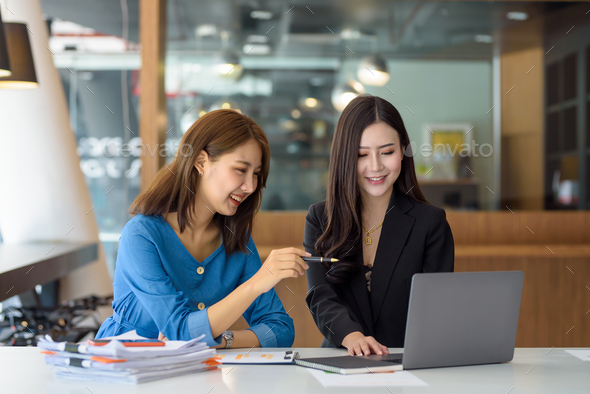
200, 174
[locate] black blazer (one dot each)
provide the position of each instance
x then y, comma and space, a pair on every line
415, 238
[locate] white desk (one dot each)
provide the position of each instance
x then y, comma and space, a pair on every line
22, 370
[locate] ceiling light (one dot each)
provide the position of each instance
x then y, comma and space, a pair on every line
257, 39
357, 86
310, 103
21, 58
4, 63
289, 125
256, 49
517, 16
259, 14
206, 30
319, 128
350, 34
373, 71
227, 65
345, 92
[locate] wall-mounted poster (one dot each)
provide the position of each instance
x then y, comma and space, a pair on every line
448, 146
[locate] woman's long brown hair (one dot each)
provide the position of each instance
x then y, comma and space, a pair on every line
343, 209
173, 190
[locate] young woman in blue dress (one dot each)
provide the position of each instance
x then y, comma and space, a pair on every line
186, 263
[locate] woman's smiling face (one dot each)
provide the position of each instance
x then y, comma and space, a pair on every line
228, 181
379, 159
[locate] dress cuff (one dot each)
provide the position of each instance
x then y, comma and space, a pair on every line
265, 335
198, 324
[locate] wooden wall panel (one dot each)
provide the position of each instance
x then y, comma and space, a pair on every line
152, 99
490, 228
522, 115
555, 298
522, 171
292, 293
279, 228
469, 228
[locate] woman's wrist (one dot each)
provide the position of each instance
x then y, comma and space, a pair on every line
222, 345
242, 339
251, 286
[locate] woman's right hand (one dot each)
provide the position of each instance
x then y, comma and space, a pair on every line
358, 344
280, 264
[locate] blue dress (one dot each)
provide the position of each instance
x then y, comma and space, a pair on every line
160, 287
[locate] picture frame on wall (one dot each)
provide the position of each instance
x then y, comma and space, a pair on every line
448, 147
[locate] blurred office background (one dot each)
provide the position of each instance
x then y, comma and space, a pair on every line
284, 63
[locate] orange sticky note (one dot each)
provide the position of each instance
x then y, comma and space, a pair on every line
106, 360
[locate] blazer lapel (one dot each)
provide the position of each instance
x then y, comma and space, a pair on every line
359, 290
396, 228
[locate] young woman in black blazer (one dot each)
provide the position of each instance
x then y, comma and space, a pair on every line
377, 222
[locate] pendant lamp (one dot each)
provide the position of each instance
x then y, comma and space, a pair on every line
4, 63
373, 71
345, 92
21, 58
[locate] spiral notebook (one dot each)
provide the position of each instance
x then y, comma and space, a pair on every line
348, 365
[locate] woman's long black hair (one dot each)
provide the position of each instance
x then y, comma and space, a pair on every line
343, 199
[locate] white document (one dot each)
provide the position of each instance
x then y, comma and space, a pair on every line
122, 377
583, 354
398, 378
127, 335
116, 350
141, 364
258, 357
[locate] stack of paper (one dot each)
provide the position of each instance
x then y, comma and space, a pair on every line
116, 363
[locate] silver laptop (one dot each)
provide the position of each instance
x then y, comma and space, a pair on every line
457, 319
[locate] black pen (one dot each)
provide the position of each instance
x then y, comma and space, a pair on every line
319, 260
